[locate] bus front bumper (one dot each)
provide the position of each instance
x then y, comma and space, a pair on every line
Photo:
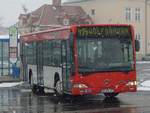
95, 91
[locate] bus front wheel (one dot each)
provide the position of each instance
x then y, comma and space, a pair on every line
58, 88
111, 95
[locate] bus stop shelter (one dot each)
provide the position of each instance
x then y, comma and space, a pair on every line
4, 55
8, 70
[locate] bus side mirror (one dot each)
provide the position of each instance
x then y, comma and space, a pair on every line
137, 45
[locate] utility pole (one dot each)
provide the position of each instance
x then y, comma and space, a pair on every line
146, 40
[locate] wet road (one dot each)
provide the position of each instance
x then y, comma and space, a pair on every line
15, 100
18, 101
143, 71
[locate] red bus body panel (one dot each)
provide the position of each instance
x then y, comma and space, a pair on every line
97, 82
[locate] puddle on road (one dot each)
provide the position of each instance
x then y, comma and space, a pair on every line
25, 90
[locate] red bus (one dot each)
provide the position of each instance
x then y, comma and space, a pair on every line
81, 60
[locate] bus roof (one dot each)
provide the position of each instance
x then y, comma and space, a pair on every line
103, 25
58, 33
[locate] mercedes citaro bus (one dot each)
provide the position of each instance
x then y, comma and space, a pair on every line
81, 59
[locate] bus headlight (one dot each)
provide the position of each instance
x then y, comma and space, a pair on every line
80, 86
132, 83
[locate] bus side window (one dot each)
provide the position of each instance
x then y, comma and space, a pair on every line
57, 52
31, 53
71, 56
47, 53
63, 52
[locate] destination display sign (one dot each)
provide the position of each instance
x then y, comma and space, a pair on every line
102, 31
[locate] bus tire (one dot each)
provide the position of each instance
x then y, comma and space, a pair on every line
58, 88
40, 90
111, 95
34, 88
57, 85
37, 89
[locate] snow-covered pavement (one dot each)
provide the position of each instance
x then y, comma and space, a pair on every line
11, 84
143, 62
144, 86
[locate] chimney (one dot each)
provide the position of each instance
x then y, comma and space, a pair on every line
56, 2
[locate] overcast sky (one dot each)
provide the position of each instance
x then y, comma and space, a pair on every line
10, 9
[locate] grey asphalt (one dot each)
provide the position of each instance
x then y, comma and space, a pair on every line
22, 100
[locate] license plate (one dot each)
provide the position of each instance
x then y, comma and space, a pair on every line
107, 91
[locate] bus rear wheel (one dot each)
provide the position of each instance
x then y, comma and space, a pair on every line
34, 88
38, 89
111, 95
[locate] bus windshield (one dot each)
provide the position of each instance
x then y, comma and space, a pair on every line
105, 53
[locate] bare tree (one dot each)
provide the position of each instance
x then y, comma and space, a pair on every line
1, 21
25, 10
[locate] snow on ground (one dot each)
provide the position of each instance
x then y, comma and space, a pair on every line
146, 83
11, 84
142, 62
144, 86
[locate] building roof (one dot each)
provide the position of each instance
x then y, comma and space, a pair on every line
75, 1
4, 37
52, 15
3, 30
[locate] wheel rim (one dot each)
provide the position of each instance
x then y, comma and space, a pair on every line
59, 87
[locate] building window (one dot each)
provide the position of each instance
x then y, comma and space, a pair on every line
137, 14
65, 21
92, 11
128, 14
138, 36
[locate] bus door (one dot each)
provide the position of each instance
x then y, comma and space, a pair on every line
39, 61
66, 65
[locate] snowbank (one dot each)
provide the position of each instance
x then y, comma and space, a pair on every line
146, 83
142, 62
144, 86
11, 84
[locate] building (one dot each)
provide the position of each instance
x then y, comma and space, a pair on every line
52, 16
3, 30
135, 12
